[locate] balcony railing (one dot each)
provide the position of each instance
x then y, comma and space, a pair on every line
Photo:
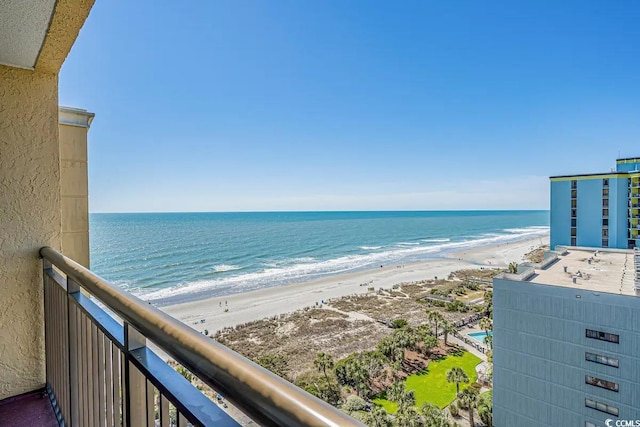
101, 371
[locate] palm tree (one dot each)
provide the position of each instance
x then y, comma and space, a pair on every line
486, 325
448, 328
396, 389
410, 417
435, 317
470, 401
433, 416
488, 340
513, 267
457, 375
323, 362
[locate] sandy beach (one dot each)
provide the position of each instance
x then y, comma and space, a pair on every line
255, 305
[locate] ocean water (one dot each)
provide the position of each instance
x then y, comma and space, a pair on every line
171, 257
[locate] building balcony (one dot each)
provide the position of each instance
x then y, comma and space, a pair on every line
102, 366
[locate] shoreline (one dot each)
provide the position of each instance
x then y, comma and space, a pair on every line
209, 313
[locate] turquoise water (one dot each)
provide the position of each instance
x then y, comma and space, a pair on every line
170, 257
480, 336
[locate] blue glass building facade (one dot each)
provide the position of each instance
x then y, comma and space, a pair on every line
597, 210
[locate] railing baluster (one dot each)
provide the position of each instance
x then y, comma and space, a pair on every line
135, 381
101, 381
115, 375
123, 390
95, 375
164, 411
47, 327
64, 340
108, 381
57, 350
182, 421
151, 399
83, 370
74, 379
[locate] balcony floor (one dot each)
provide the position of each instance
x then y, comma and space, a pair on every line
28, 410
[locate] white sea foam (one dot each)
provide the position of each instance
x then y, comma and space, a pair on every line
408, 244
436, 240
306, 268
303, 260
225, 267
370, 248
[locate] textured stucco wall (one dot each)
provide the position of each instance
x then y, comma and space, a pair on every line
29, 219
74, 193
66, 22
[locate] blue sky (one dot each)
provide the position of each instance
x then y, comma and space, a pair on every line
340, 105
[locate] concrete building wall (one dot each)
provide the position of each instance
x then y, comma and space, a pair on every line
560, 213
628, 165
539, 355
618, 213
74, 191
30, 217
589, 222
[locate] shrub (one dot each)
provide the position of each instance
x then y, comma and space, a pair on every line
318, 386
399, 323
475, 388
354, 403
473, 286
457, 306
276, 363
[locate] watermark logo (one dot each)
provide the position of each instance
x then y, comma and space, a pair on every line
622, 423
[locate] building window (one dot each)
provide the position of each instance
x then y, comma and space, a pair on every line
605, 192
605, 212
603, 360
574, 184
602, 407
599, 382
574, 194
605, 182
573, 232
573, 241
573, 222
605, 232
605, 222
574, 213
602, 336
605, 243
574, 203
605, 203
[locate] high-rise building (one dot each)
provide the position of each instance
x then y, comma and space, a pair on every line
567, 339
597, 210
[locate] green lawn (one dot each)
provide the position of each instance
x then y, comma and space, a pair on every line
431, 385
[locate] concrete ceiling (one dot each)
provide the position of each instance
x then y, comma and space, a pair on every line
23, 28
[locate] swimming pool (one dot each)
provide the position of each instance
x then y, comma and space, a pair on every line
479, 336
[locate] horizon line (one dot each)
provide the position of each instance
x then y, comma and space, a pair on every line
327, 211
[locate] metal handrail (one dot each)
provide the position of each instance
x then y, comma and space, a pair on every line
265, 397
